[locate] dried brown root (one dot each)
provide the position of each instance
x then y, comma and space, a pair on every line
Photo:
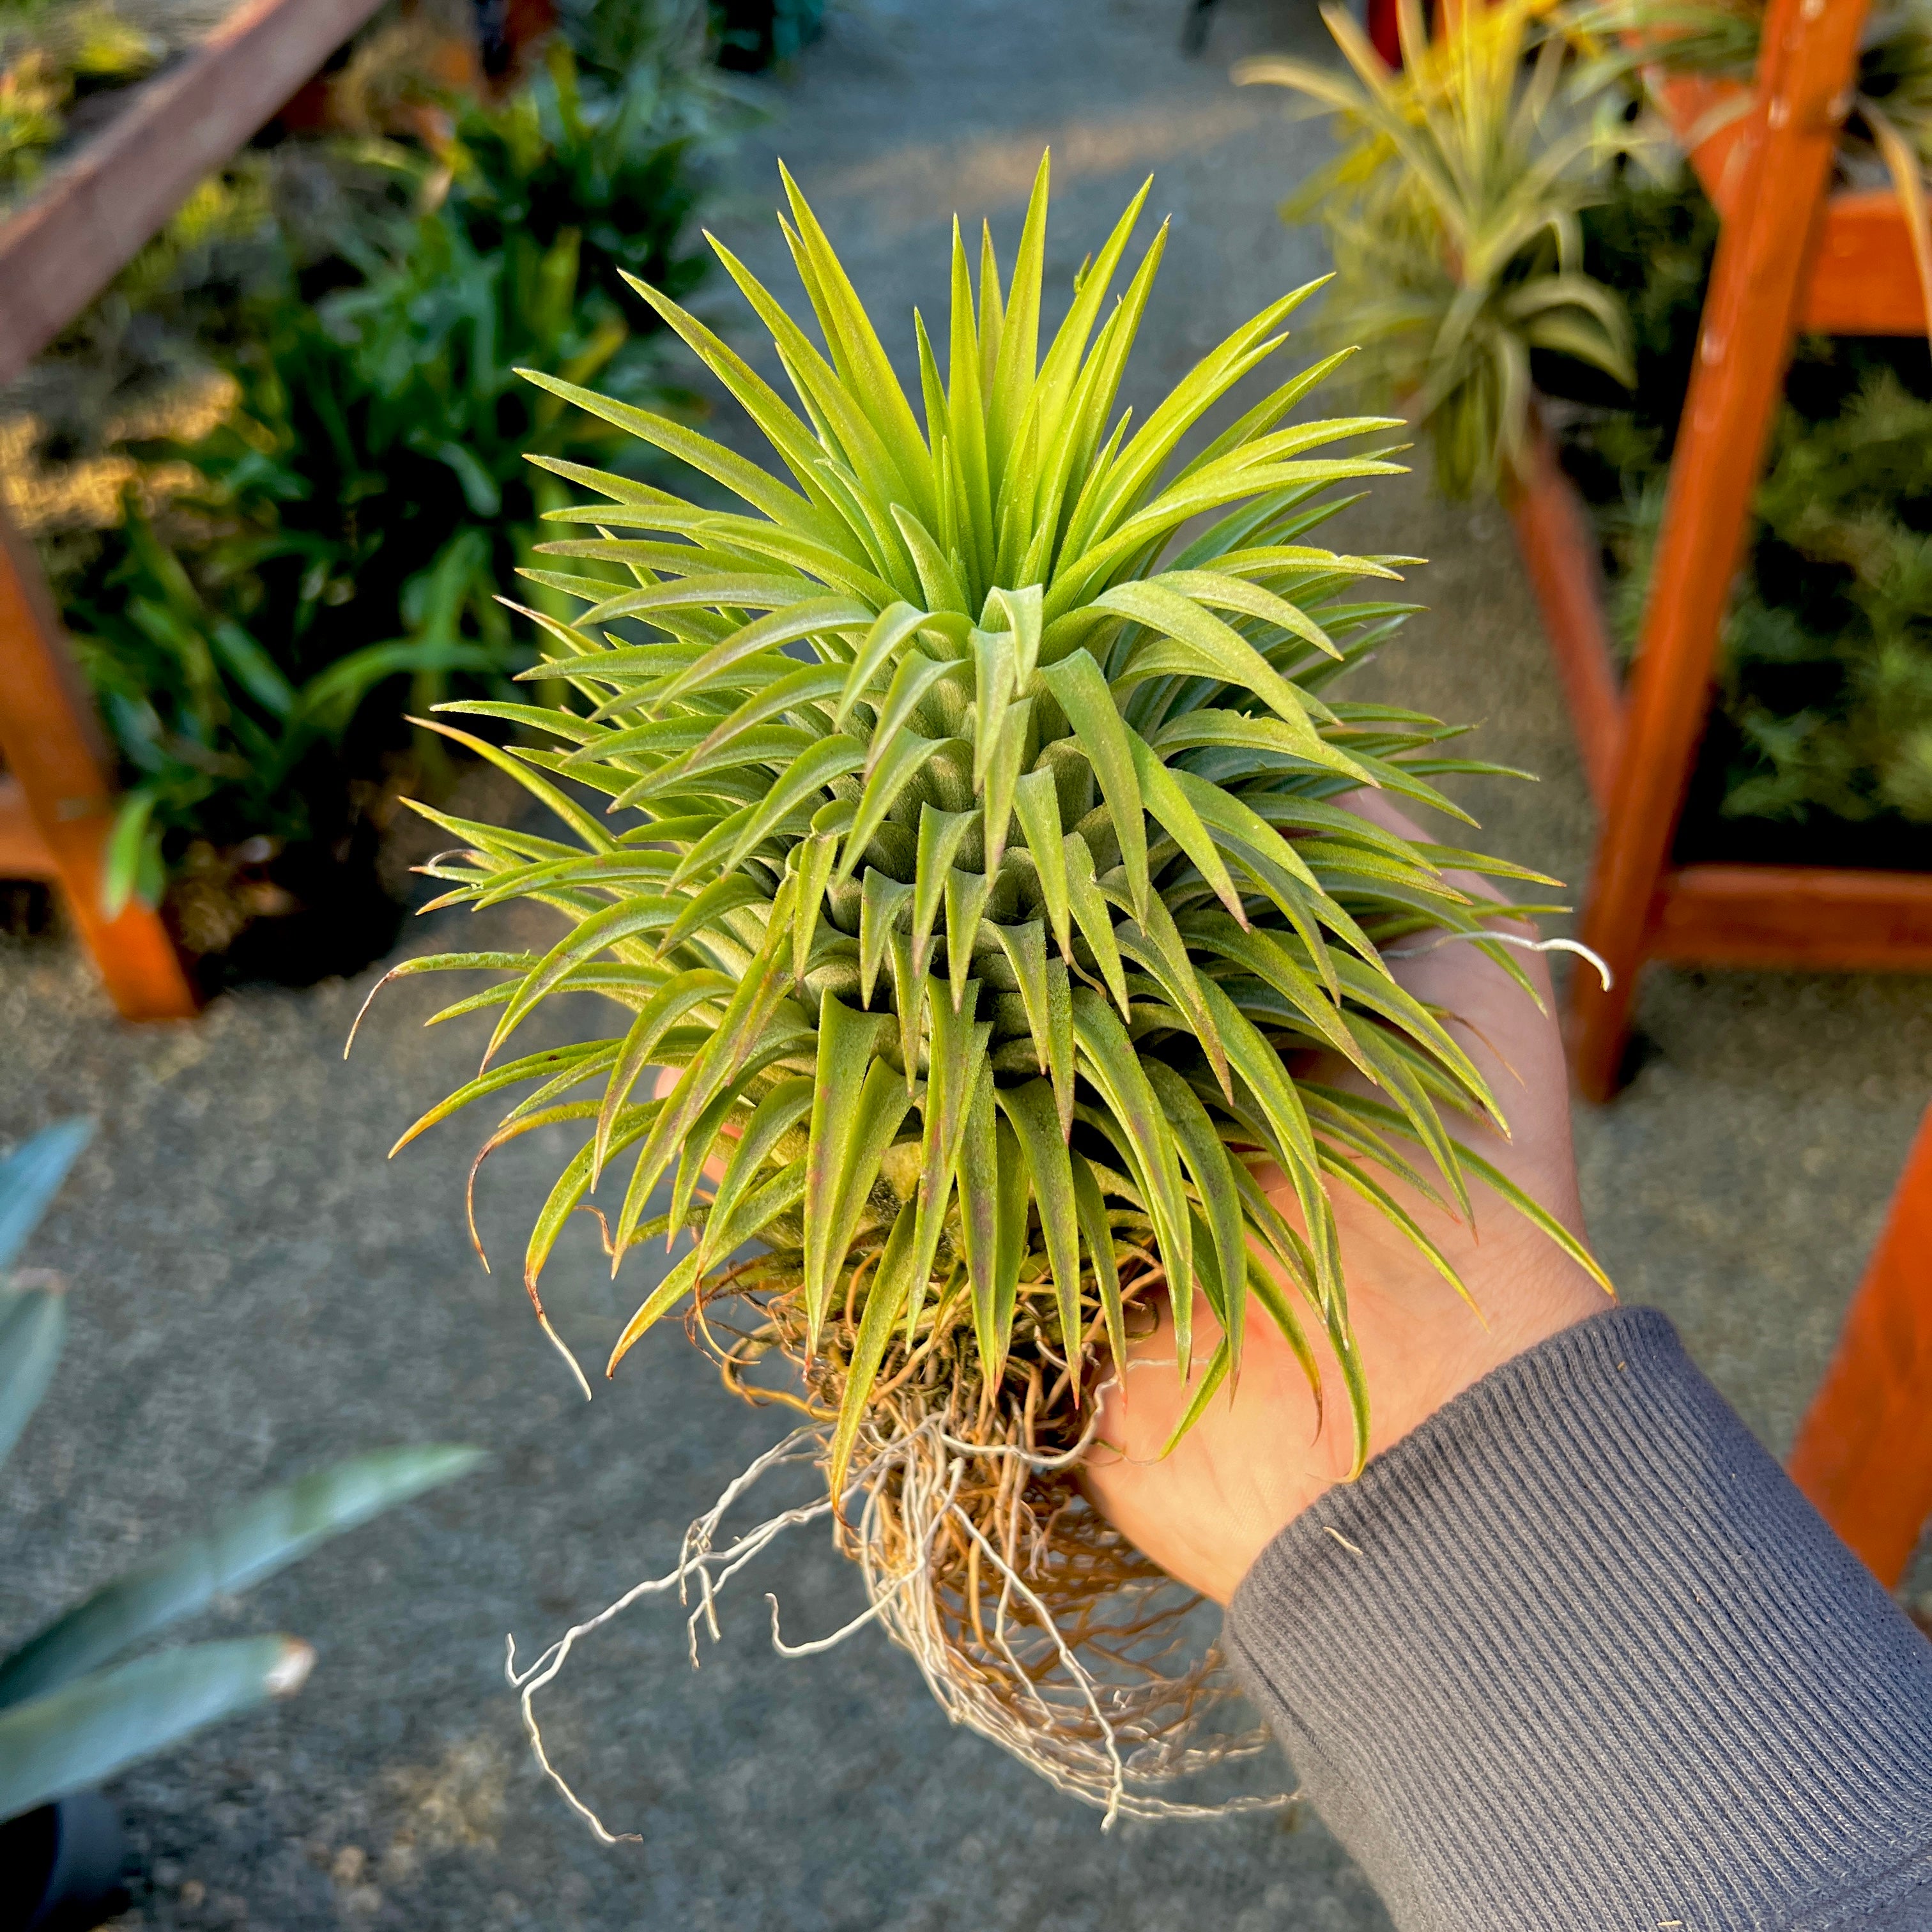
1033, 1621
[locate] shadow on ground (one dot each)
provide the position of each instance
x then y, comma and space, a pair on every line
255, 1290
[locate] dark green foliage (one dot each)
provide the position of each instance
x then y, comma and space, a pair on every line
1826, 708
51, 54
355, 516
605, 155
755, 35
1830, 646
1653, 245
360, 508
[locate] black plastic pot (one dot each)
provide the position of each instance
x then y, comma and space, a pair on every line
61, 1866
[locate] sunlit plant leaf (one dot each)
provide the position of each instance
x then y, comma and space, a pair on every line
1002, 879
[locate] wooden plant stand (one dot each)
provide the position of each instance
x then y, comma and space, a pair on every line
1864, 1452
1791, 255
56, 254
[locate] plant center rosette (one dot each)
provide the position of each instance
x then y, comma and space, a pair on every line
972, 862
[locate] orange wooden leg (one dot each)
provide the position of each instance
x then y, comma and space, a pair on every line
1786, 148
1864, 1452
1559, 549
1597, 1027
135, 954
57, 808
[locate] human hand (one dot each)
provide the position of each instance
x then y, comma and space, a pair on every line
1251, 1465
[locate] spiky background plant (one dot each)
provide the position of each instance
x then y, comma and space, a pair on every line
1452, 212
974, 856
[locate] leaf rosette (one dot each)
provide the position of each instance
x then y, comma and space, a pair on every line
974, 860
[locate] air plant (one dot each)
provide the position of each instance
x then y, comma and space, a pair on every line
977, 861
1452, 212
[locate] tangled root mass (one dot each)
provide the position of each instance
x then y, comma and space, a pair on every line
1032, 1620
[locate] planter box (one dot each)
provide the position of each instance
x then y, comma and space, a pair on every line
1797, 916
1791, 254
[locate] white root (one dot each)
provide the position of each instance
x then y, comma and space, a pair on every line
694, 1558
1101, 1722
1515, 939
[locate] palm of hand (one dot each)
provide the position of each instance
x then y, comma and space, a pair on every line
1253, 1462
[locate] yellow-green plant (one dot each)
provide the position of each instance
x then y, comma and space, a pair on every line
1452, 212
44, 49
975, 859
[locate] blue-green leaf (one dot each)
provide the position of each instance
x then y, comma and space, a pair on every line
30, 1177
84, 1732
33, 1323
246, 1543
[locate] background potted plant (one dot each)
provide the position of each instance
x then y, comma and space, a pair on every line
71, 1713
275, 471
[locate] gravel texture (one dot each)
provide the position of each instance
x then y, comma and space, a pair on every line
255, 1290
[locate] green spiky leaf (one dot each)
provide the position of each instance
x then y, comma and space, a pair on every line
974, 857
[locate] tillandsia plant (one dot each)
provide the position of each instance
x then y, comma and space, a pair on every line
974, 862
1452, 210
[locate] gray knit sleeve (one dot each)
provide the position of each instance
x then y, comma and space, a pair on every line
1575, 1654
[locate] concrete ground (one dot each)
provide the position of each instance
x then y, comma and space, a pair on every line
255, 1290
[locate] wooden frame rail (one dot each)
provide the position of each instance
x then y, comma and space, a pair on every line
96, 212
1864, 1452
56, 254
1860, 278
1791, 255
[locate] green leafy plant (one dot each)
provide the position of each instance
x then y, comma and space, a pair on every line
1850, 497
70, 1714
257, 606
223, 740
607, 156
49, 53
974, 857
616, 37
1820, 735
1452, 212
1826, 681
350, 521
30, 122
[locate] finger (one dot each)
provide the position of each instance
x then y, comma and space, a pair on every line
713, 1169
1443, 974
1512, 1037
1143, 1399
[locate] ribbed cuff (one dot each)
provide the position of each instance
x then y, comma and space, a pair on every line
1576, 1654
